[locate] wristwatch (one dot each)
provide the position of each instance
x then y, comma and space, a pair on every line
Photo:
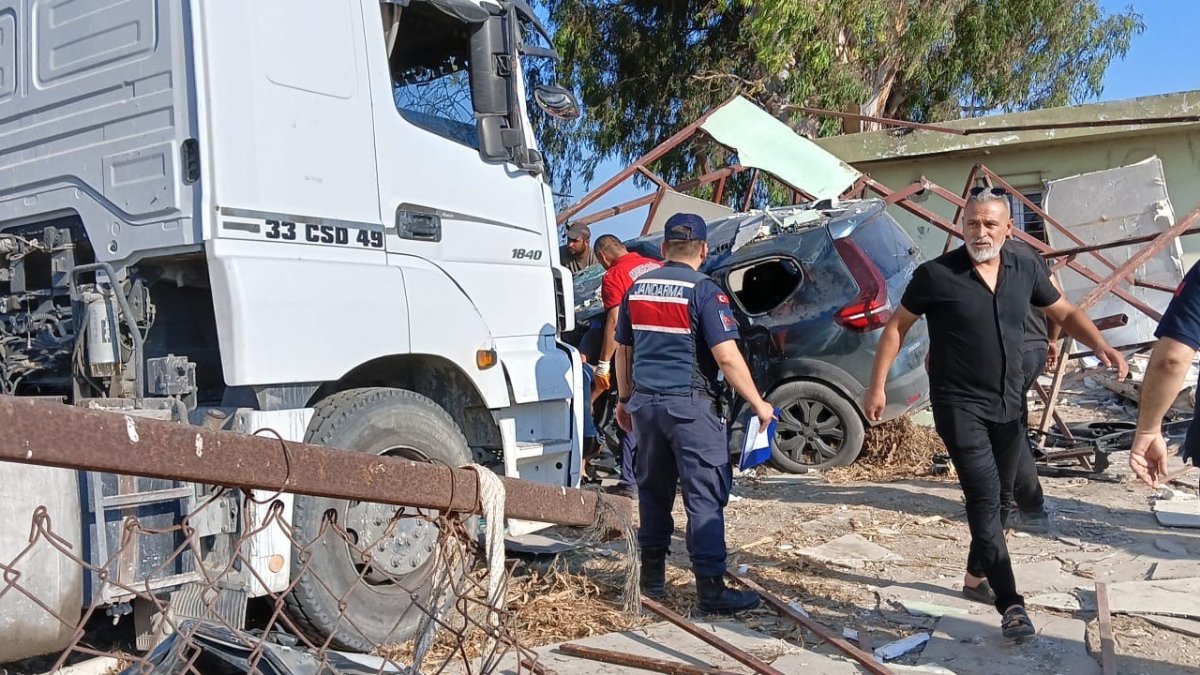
623, 399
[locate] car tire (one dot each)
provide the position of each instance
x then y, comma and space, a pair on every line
818, 428
336, 595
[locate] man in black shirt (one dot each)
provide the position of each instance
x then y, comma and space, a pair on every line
975, 299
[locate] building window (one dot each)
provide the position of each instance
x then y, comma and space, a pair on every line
1026, 218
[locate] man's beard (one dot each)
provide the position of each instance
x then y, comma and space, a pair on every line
982, 254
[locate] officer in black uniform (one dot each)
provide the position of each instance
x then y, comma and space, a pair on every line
675, 332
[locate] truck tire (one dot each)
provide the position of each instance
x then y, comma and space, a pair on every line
379, 608
818, 428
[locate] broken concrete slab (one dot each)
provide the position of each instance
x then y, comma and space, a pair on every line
918, 608
1043, 577
1177, 513
895, 601
1168, 597
1168, 546
1175, 569
1063, 602
1186, 626
851, 551
811, 662
660, 641
973, 644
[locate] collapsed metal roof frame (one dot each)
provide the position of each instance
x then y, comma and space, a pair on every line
1108, 281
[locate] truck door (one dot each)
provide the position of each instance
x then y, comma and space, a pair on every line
484, 224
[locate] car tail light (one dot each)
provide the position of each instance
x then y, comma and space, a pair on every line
871, 308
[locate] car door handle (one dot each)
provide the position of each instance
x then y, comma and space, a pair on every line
418, 226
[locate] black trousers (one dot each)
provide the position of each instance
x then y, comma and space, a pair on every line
1027, 489
985, 454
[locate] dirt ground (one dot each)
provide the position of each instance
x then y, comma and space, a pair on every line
1103, 529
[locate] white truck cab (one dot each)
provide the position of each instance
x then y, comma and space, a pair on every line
324, 217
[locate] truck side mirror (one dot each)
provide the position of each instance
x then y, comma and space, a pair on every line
491, 68
556, 101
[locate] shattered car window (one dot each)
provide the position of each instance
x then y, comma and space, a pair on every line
587, 293
762, 287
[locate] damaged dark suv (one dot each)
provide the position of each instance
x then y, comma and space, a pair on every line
812, 286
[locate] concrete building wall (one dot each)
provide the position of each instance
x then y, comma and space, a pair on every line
1030, 165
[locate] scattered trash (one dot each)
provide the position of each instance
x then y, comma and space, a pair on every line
894, 650
799, 610
850, 634
743, 569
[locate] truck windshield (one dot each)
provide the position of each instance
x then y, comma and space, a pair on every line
430, 72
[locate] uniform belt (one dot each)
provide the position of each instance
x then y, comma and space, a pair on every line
693, 392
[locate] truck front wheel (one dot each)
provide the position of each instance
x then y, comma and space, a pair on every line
360, 582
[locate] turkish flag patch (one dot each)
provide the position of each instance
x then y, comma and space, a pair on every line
722, 298
727, 320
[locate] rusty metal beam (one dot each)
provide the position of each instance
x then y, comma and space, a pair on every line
645, 200
1113, 244
1145, 253
640, 662
940, 222
652, 156
864, 659
47, 434
750, 190
1108, 649
743, 657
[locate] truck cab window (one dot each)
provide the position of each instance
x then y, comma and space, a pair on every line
428, 56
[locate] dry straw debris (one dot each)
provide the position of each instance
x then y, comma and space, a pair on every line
895, 450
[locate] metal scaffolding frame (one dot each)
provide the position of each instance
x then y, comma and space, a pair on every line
1107, 281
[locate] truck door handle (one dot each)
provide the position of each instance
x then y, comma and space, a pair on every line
418, 226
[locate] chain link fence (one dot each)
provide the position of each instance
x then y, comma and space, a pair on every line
247, 582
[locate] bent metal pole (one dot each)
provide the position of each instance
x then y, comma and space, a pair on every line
53, 434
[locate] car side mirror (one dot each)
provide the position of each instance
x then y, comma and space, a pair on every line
556, 101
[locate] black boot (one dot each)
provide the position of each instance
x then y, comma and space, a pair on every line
716, 598
654, 573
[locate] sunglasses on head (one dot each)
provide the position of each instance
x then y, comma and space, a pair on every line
994, 191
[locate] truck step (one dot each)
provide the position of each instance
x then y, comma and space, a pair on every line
144, 498
527, 449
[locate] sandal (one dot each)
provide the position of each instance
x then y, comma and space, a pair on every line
981, 593
1016, 624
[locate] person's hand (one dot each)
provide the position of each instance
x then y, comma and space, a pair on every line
874, 401
1051, 356
623, 419
764, 411
1148, 457
601, 382
1114, 359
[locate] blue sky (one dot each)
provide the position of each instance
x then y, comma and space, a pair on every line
1161, 60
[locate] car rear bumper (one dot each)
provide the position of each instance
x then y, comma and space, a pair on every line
905, 393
